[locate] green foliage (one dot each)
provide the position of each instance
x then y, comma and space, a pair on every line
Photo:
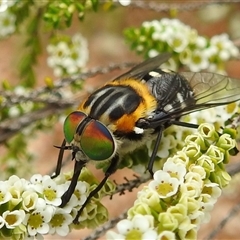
59, 15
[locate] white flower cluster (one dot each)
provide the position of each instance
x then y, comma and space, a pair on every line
7, 22
191, 49
23, 107
182, 194
67, 56
173, 137
5, 4
30, 208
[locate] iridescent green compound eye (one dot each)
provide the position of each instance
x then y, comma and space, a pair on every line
97, 142
71, 123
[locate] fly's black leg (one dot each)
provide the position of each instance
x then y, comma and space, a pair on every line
60, 158
159, 136
111, 169
77, 170
154, 153
184, 124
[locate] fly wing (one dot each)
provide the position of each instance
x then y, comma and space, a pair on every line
206, 90
209, 90
213, 89
145, 67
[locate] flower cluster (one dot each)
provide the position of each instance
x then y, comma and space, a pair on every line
30, 208
173, 137
7, 22
182, 194
188, 48
67, 56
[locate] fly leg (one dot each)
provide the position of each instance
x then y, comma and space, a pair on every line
111, 169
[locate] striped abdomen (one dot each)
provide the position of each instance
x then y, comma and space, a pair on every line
119, 105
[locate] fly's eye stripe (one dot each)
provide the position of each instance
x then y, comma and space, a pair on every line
97, 142
71, 123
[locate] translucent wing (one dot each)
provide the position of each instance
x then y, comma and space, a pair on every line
140, 70
205, 90
209, 90
212, 88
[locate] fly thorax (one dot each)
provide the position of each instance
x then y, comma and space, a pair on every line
172, 91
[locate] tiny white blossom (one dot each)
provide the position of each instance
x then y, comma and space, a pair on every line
36, 183
185, 56
3, 5
51, 191
178, 42
7, 23
29, 200
20, 90
212, 189
14, 218
140, 227
38, 221
166, 235
201, 42
14, 111
164, 184
68, 56
163, 150
36, 179
60, 222
225, 46
153, 53
199, 61
5, 195
176, 170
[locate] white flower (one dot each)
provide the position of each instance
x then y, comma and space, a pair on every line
60, 222
213, 190
36, 179
51, 191
20, 90
201, 42
140, 227
191, 189
5, 195
4, 5
68, 56
185, 56
14, 111
166, 235
165, 146
13, 219
164, 184
36, 183
225, 46
7, 23
38, 221
171, 64
16, 195
178, 42
176, 170
153, 53
199, 61
79, 196
29, 200
207, 204
197, 169
81, 192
